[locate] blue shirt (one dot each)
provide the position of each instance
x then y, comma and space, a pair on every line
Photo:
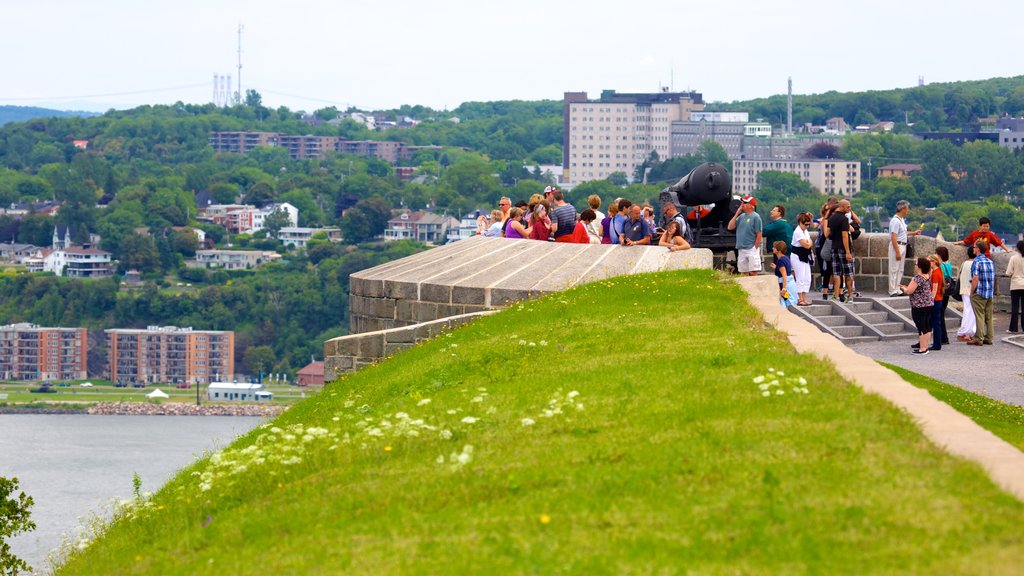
637, 230
986, 274
615, 227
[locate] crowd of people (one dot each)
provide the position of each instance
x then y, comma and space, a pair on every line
550, 217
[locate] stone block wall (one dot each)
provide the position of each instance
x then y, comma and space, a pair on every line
347, 354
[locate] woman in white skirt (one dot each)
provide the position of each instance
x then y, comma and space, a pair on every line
802, 249
968, 323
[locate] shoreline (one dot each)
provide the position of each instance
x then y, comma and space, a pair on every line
146, 409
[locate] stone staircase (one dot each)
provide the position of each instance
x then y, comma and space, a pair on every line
867, 318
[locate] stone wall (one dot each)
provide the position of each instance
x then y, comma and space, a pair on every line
481, 274
350, 353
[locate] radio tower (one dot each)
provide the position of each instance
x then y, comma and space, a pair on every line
238, 95
789, 107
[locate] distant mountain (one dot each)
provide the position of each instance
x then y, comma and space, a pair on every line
23, 113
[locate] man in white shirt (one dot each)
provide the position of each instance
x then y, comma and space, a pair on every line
898, 246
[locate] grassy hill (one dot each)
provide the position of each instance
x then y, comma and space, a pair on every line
626, 426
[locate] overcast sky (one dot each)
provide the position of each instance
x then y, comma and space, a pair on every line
309, 54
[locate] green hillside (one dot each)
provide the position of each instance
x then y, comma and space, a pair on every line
627, 426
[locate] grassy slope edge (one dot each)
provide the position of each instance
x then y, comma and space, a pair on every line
677, 462
1003, 420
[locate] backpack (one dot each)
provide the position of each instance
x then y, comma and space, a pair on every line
685, 228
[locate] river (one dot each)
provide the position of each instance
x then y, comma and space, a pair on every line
72, 465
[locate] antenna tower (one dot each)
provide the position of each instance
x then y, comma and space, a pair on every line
789, 107
238, 95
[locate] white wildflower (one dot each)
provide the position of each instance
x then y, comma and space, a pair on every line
528, 422
533, 343
766, 393
758, 379
401, 416
779, 392
470, 420
452, 411
572, 394
522, 342
543, 342
423, 402
440, 459
477, 399
446, 434
374, 432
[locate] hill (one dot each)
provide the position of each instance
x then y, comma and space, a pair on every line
25, 113
624, 426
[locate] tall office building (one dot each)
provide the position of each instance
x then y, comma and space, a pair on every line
170, 355
617, 132
830, 177
29, 352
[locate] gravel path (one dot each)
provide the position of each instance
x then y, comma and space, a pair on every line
995, 371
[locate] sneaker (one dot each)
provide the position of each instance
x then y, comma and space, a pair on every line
987, 343
895, 295
842, 297
973, 343
1012, 332
933, 348
920, 352
856, 294
915, 345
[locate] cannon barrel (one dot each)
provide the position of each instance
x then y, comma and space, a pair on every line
708, 183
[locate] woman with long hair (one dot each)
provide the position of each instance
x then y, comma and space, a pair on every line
673, 237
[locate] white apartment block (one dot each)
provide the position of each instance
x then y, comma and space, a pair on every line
830, 177
617, 132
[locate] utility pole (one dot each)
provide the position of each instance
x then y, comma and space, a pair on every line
238, 96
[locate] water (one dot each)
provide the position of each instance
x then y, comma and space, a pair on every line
72, 465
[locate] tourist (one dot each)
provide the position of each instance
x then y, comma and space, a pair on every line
823, 252
668, 213
947, 292
494, 229
921, 303
636, 231
898, 245
594, 201
777, 227
673, 237
563, 217
842, 251
938, 289
515, 227
1015, 270
504, 204
784, 272
540, 223
983, 279
747, 224
802, 256
591, 229
985, 233
968, 324
648, 214
606, 225
619, 221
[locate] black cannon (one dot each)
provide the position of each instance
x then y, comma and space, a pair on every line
704, 196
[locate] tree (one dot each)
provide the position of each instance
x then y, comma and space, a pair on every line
355, 226
253, 99
14, 519
275, 221
618, 179
711, 151
259, 359
139, 253
822, 150
185, 242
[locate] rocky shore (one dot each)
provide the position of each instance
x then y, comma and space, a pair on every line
176, 409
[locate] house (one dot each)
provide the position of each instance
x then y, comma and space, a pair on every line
300, 237
903, 171
233, 259
71, 262
420, 226
237, 392
467, 227
311, 375
245, 218
16, 252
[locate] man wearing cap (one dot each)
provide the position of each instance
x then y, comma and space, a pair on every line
842, 248
747, 224
898, 246
563, 217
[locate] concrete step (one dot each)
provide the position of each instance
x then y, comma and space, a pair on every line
859, 307
874, 317
818, 309
890, 328
832, 321
850, 331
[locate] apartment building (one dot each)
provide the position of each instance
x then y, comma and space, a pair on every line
171, 355
830, 177
233, 259
245, 218
617, 132
300, 237
303, 147
786, 147
725, 128
241, 142
30, 352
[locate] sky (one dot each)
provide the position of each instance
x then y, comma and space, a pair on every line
372, 55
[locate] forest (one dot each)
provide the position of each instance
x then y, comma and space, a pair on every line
142, 169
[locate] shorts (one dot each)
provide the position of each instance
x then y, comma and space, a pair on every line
748, 260
840, 265
922, 319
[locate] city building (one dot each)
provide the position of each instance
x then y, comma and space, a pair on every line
16, 252
618, 132
71, 262
245, 218
300, 237
30, 352
241, 142
830, 177
785, 147
232, 259
303, 147
420, 226
725, 128
384, 150
170, 355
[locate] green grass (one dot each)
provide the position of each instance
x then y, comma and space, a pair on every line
1003, 420
676, 464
